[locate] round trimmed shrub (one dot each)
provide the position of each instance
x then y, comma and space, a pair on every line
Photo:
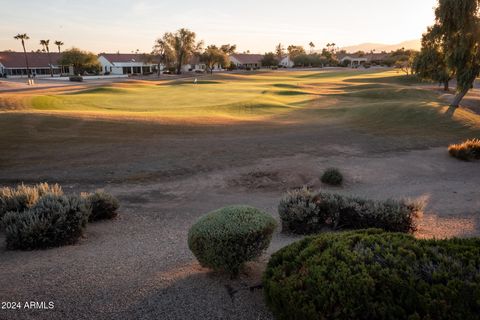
333, 177
53, 221
225, 239
103, 205
373, 275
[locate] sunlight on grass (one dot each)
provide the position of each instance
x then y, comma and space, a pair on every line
371, 100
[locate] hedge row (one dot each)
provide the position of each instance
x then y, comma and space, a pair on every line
374, 275
305, 212
38, 217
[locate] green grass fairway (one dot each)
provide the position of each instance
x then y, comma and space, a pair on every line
376, 101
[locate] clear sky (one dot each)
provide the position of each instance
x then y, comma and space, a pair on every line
255, 25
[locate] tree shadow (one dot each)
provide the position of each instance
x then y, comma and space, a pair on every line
201, 294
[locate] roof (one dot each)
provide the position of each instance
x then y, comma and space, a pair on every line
246, 58
122, 57
35, 59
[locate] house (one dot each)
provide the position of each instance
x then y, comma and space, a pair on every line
125, 63
356, 59
194, 64
246, 60
286, 62
13, 64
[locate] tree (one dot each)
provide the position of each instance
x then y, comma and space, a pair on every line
270, 60
430, 63
214, 56
45, 44
183, 45
164, 54
279, 51
312, 47
23, 37
228, 49
58, 44
82, 61
295, 51
458, 22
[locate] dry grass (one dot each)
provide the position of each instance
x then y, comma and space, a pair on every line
467, 151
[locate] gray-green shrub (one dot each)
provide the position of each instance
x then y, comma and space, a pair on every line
332, 176
53, 221
303, 212
23, 196
227, 238
103, 205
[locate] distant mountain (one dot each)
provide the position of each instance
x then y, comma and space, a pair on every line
379, 47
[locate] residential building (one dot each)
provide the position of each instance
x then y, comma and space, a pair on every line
358, 59
13, 64
246, 60
286, 62
125, 63
194, 64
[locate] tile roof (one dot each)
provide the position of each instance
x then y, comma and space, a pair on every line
35, 59
122, 57
246, 58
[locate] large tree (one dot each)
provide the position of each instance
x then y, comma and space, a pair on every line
46, 44
458, 22
270, 60
82, 61
164, 53
183, 44
431, 63
279, 51
23, 37
295, 51
213, 56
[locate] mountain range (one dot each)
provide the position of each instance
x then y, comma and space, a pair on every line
379, 47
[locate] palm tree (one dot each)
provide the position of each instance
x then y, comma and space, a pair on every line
58, 44
45, 44
312, 46
23, 37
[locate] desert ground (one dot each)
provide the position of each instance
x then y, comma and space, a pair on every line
172, 150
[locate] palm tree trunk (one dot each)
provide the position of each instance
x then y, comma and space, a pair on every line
50, 62
26, 58
458, 98
446, 85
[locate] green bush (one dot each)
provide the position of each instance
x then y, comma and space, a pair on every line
374, 275
303, 212
103, 205
466, 151
227, 238
332, 176
23, 197
53, 221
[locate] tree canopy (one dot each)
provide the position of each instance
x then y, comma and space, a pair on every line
213, 56
458, 23
182, 45
82, 61
270, 60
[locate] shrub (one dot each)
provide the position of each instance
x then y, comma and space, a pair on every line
374, 275
303, 212
227, 238
23, 197
300, 213
53, 221
103, 205
332, 176
467, 151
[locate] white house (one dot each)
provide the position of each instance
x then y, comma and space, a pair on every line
246, 60
286, 62
125, 63
194, 64
14, 64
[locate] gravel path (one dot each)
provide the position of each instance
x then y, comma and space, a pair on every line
139, 266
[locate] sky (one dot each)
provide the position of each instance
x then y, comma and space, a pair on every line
254, 25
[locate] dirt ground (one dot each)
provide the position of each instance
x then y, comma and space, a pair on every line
138, 266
